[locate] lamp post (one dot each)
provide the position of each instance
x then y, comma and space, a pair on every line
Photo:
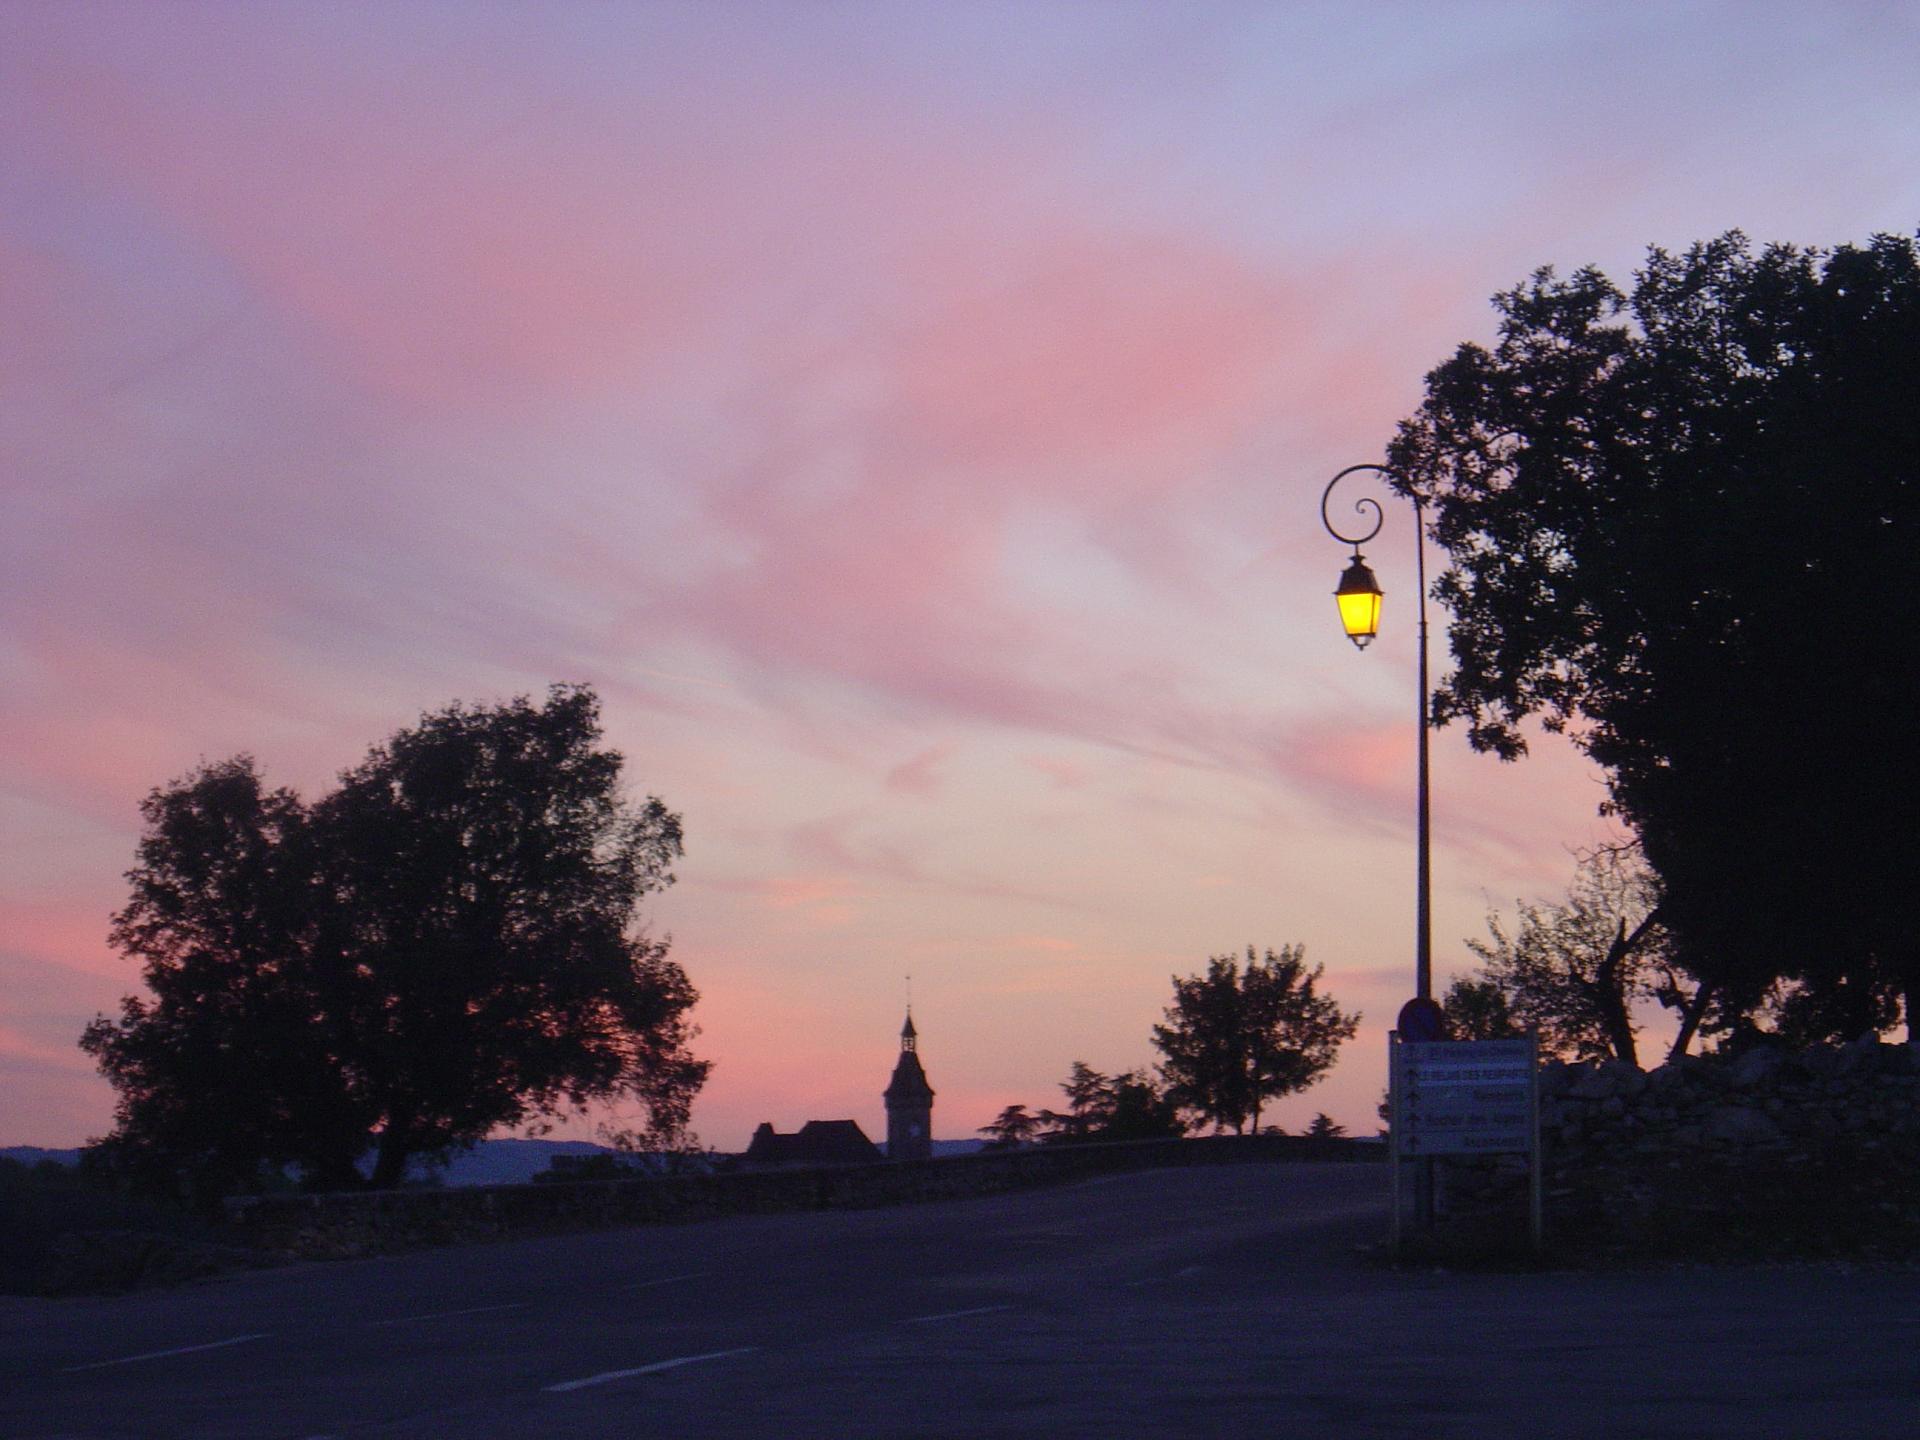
1359, 597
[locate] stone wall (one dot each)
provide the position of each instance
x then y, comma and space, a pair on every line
365, 1223
1767, 1152
1767, 1102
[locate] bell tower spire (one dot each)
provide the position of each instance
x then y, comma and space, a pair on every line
909, 1099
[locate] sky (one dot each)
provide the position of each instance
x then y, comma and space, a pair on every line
910, 418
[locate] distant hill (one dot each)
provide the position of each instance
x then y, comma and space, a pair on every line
33, 1155
506, 1162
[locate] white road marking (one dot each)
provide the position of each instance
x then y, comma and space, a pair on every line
669, 1280
956, 1314
163, 1354
652, 1369
448, 1314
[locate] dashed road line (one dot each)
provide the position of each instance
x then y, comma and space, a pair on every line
653, 1369
448, 1314
163, 1354
956, 1314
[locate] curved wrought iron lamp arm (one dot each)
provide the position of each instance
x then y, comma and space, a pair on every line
1360, 507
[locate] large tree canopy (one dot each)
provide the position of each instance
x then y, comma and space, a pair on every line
1682, 525
447, 943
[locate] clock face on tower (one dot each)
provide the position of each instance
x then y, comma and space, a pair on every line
914, 1130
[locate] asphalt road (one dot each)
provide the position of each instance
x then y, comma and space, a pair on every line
1207, 1302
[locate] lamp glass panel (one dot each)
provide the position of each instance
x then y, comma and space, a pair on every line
1360, 612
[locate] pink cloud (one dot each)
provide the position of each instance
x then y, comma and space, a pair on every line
817, 901
1065, 773
1090, 361
57, 933
1056, 943
987, 400
442, 274
1093, 368
843, 846
1369, 764
919, 774
788, 892
17, 1044
1096, 347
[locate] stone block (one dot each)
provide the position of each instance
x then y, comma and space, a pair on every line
1742, 1126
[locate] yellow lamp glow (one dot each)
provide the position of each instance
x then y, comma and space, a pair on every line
1359, 597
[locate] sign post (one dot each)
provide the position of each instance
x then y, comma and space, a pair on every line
1465, 1097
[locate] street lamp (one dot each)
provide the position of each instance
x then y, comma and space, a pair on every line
1359, 596
1359, 599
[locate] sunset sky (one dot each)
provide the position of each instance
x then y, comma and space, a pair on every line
910, 418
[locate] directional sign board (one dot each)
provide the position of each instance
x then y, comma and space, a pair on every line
1463, 1097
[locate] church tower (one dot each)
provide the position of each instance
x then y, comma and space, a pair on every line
909, 1102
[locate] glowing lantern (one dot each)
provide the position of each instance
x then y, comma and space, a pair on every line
1359, 596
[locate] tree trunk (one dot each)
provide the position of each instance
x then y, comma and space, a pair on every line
1609, 993
1690, 1019
390, 1163
1913, 1005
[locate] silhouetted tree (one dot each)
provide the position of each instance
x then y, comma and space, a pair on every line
1127, 1106
1842, 1007
1660, 509
445, 944
1089, 1104
1235, 1038
1325, 1130
1477, 1009
1573, 970
1142, 1110
1011, 1128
